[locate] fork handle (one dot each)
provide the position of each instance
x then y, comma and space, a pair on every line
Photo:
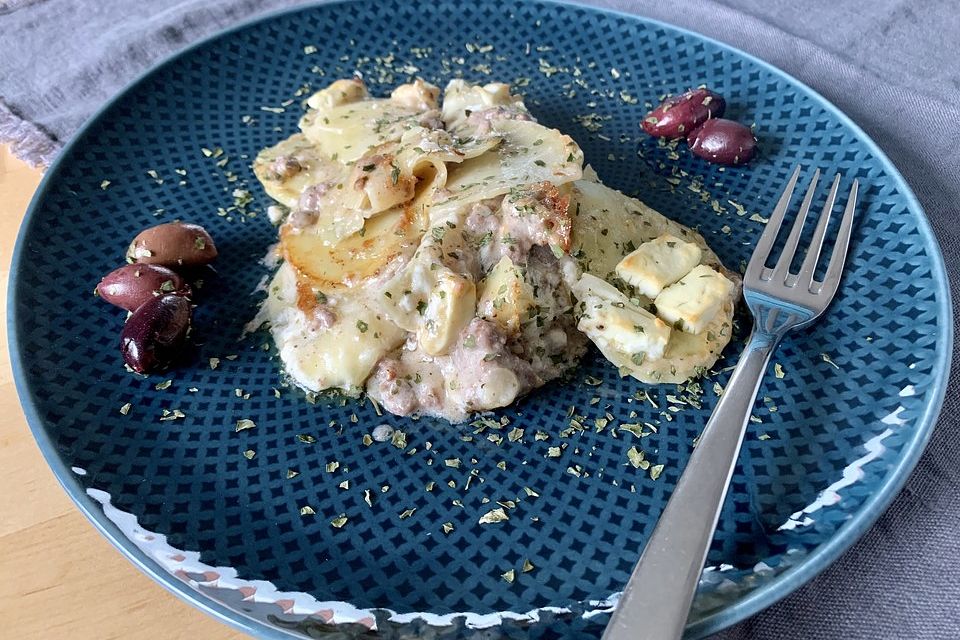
656, 601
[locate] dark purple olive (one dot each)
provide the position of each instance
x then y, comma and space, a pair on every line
156, 333
679, 115
723, 141
133, 284
174, 244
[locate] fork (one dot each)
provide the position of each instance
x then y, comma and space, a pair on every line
656, 601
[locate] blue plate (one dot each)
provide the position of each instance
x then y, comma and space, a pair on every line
212, 513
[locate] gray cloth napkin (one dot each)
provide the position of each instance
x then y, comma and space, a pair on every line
891, 65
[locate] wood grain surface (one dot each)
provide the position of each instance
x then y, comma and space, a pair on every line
59, 578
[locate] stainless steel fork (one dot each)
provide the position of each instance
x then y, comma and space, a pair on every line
656, 601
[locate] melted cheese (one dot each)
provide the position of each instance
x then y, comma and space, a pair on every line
337, 357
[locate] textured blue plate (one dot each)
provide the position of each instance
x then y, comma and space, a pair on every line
836, 434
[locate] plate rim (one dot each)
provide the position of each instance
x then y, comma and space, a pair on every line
821, 557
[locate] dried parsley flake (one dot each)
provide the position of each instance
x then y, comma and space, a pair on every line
633, 428
494, 516
635, 456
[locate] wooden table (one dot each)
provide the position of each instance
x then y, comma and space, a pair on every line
59, 578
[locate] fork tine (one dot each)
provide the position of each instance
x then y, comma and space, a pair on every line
769, 235
805, 277
782, 268
839, 256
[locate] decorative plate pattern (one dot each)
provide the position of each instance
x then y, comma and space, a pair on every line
839, 424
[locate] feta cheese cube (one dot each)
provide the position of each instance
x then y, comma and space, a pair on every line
694, 301
659, 263
613, 322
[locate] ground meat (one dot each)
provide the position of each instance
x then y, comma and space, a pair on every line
482, 219
308, 206
302, 218
312, 196
392, 388
482, 227
485, 367
284, 167
488, 350
431, 119
481, 372
532, 216
484, 118
551, 343
536, 215
323, 316
460, 258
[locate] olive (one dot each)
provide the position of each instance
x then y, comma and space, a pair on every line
156, 333
134, 284
174, 244
723, 141
679, 115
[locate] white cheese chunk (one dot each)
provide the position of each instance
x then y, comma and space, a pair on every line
504, 297
615, 323
659, 263
694, 301
450, 307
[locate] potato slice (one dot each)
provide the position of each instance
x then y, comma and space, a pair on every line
687, 355
343, 91
287, 168
528, 153
333, 264
347, 131
461, 98
339, 356
607, 225
377, 183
